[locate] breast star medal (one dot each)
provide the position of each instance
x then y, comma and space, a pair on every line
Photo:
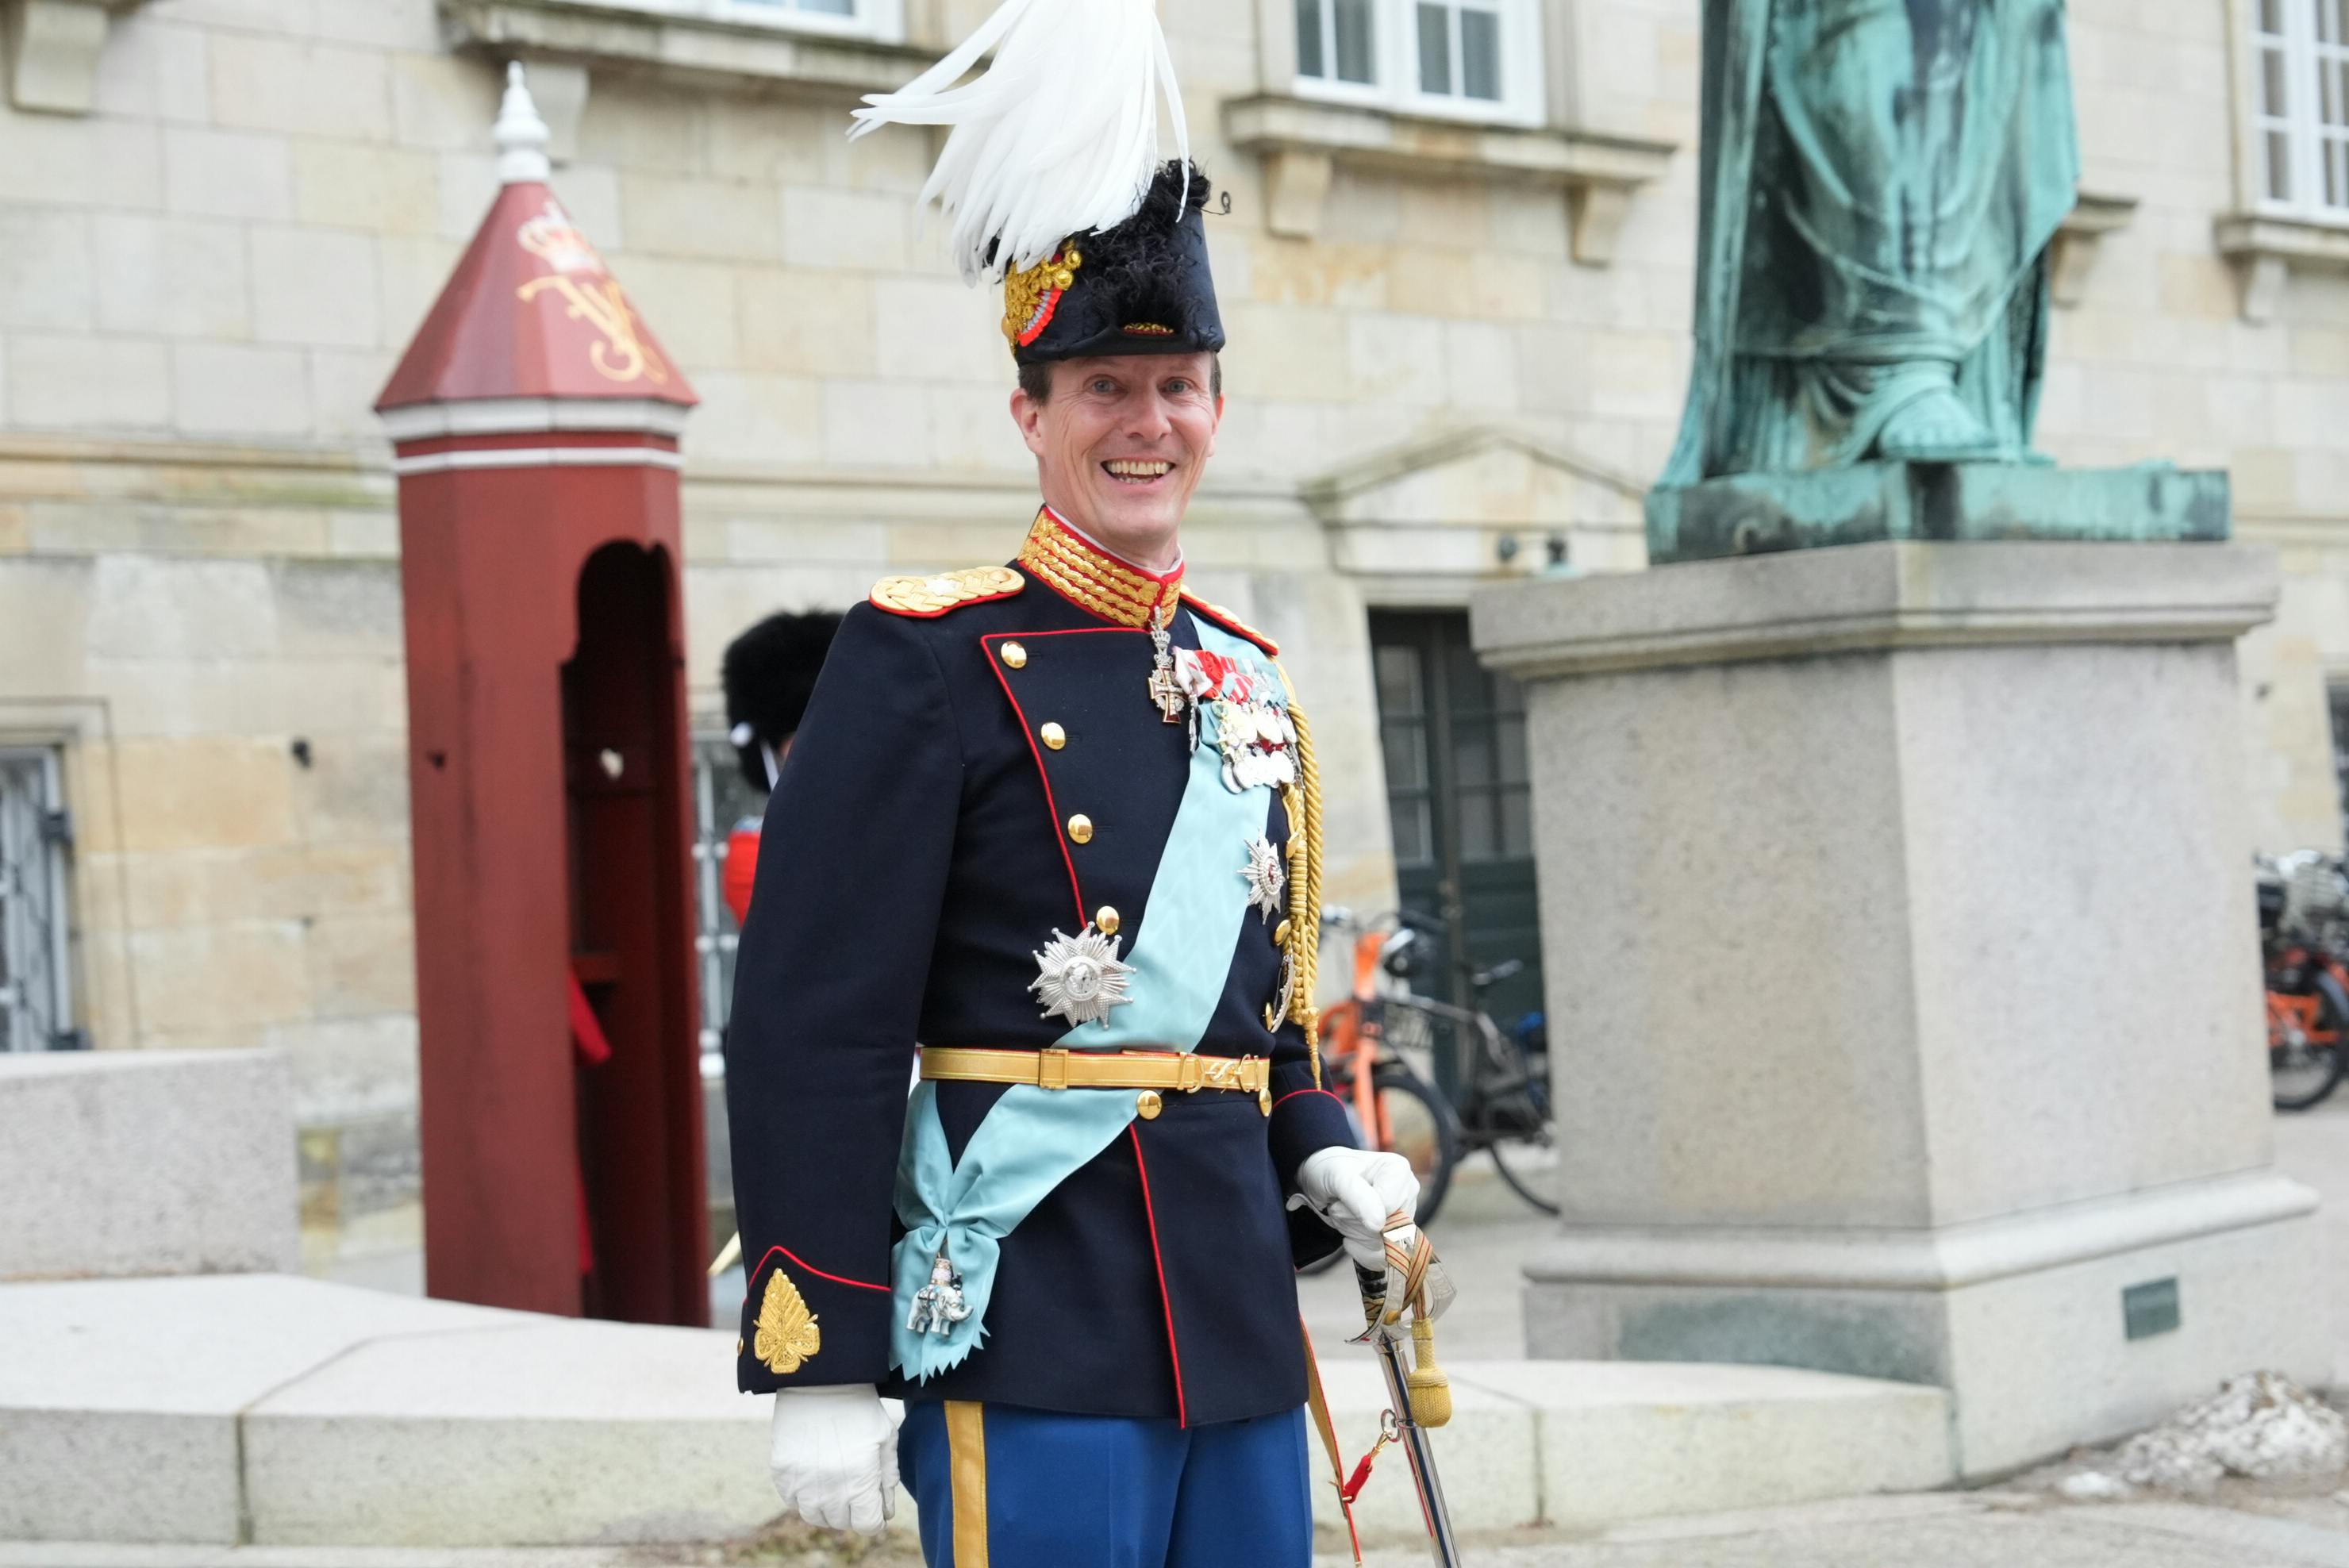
1265, 877
1165, 692
787, 1333
1079, 978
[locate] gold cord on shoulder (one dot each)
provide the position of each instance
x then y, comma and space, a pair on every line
1302, 801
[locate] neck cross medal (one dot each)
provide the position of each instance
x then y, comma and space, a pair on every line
1165, 691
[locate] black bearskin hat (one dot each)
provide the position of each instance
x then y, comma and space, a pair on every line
769, 674
1140, 287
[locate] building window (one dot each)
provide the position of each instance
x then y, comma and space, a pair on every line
879, 19
1475, 59
1459, 797
2301, 116
36, 936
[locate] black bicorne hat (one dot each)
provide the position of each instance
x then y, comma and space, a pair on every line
1142, 286
769, 675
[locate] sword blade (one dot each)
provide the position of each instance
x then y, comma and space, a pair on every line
1413, 1440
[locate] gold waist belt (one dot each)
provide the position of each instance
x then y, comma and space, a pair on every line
1057, 1068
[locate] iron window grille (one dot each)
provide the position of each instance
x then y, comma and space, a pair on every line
35, 928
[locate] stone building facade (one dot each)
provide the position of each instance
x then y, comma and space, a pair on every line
1457, 270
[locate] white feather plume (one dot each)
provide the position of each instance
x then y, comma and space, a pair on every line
1059, 136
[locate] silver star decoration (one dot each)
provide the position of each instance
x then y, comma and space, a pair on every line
1265, 877
1079, 978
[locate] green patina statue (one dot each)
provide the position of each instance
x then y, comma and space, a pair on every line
1880, 182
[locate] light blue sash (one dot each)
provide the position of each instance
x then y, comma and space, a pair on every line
1031, 1139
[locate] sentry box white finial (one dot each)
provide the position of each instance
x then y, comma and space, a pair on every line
521, 135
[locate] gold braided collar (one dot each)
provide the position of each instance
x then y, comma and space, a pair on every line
1093, 579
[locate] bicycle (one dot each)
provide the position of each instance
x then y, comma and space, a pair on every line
2303, 903
1397, 1107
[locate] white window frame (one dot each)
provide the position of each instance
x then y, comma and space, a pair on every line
879, 21
2309, 138
39, 859
1394, 65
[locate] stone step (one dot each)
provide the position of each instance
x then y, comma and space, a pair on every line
284, 1411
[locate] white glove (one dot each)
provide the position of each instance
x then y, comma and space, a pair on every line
835, 1456
1356, 1191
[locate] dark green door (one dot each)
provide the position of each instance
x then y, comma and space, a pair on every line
1454, 735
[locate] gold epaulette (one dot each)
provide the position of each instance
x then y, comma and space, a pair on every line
1229, 622
934, 596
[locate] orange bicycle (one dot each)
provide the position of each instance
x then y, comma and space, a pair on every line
1394, 1105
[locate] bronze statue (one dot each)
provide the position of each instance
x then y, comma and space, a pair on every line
1879, 184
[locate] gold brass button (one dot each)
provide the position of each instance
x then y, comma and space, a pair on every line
1054, 736
738, 1345
1106, 919
1281, 935
1015, 655
1148, 1105
1080, 828
1264, 1101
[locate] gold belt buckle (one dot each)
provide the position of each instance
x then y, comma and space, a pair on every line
1052, 1068
1190, 1072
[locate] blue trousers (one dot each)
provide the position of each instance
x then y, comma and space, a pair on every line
1003, 1487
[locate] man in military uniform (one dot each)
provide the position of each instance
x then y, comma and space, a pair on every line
1057, 823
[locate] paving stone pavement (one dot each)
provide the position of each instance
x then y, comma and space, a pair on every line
1933, 1530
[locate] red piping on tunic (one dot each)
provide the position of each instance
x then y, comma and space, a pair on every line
1028, 733
1173, 1354
810, 1267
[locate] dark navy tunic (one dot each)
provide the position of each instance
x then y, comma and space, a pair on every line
915, 856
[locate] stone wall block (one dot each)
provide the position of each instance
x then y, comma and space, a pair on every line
183, 277
44, 269
223, 980
155, 69
362, 966
43, 620
275, 83
953, 332
354, 790
315, 286
756, 419
75, 162
202, 793
160, 607
146, 1163
809, 322
867, 232
344, 386
227, 174
351, 185
229, 390
668, 215
868, 424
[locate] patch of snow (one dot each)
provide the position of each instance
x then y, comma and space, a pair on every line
2093, 1486
2262, 1427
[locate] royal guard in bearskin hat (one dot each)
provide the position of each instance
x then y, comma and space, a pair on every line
769, 674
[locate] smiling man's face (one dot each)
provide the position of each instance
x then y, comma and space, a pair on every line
1121, 443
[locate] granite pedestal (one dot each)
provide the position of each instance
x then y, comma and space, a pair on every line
1903, 979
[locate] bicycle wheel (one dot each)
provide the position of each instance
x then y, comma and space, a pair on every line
2305, 1057
1414, 1122
1518, 1181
